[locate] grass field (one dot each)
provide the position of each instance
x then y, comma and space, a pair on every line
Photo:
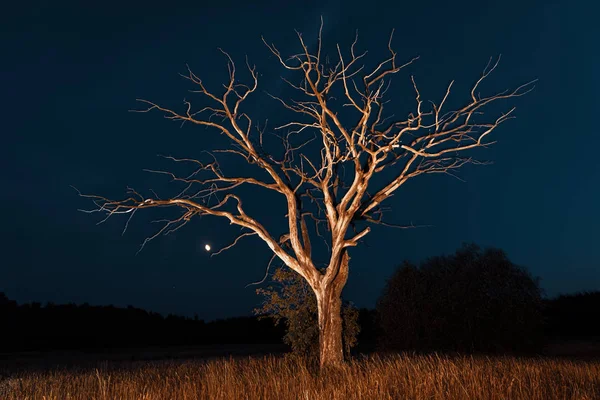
269, 377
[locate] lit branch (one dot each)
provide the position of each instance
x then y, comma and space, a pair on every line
355, 239
234, 243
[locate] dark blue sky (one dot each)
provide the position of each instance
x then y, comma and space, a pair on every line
70, 73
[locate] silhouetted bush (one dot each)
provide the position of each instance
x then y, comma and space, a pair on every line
472, 301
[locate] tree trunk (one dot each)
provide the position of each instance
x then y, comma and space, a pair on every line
329, 306
330, 328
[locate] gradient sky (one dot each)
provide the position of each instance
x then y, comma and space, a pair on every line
70, 73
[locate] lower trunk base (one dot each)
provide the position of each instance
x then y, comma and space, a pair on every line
331, 351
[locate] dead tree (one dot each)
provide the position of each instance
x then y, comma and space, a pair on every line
328, 191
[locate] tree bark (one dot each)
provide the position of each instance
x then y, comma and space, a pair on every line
329, 306
330, 328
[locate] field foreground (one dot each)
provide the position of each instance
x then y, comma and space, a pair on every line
268, 377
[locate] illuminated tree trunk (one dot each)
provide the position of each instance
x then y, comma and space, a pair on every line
330, 329
329, 306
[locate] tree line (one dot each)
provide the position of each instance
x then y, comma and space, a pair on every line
33, 326
475, 300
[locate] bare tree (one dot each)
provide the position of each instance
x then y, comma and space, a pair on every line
321, 198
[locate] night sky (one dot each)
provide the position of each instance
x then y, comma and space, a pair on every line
70, 73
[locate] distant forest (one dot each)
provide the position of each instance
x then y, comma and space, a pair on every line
33, 326
36, 327
574, 316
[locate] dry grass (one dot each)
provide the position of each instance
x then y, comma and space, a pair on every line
397, 377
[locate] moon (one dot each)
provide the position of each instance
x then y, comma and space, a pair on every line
207, 247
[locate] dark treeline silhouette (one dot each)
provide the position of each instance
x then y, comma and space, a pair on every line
574, 316
477, 300
29, 327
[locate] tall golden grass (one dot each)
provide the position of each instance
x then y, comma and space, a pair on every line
373, 378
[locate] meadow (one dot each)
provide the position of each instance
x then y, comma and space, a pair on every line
285, 377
